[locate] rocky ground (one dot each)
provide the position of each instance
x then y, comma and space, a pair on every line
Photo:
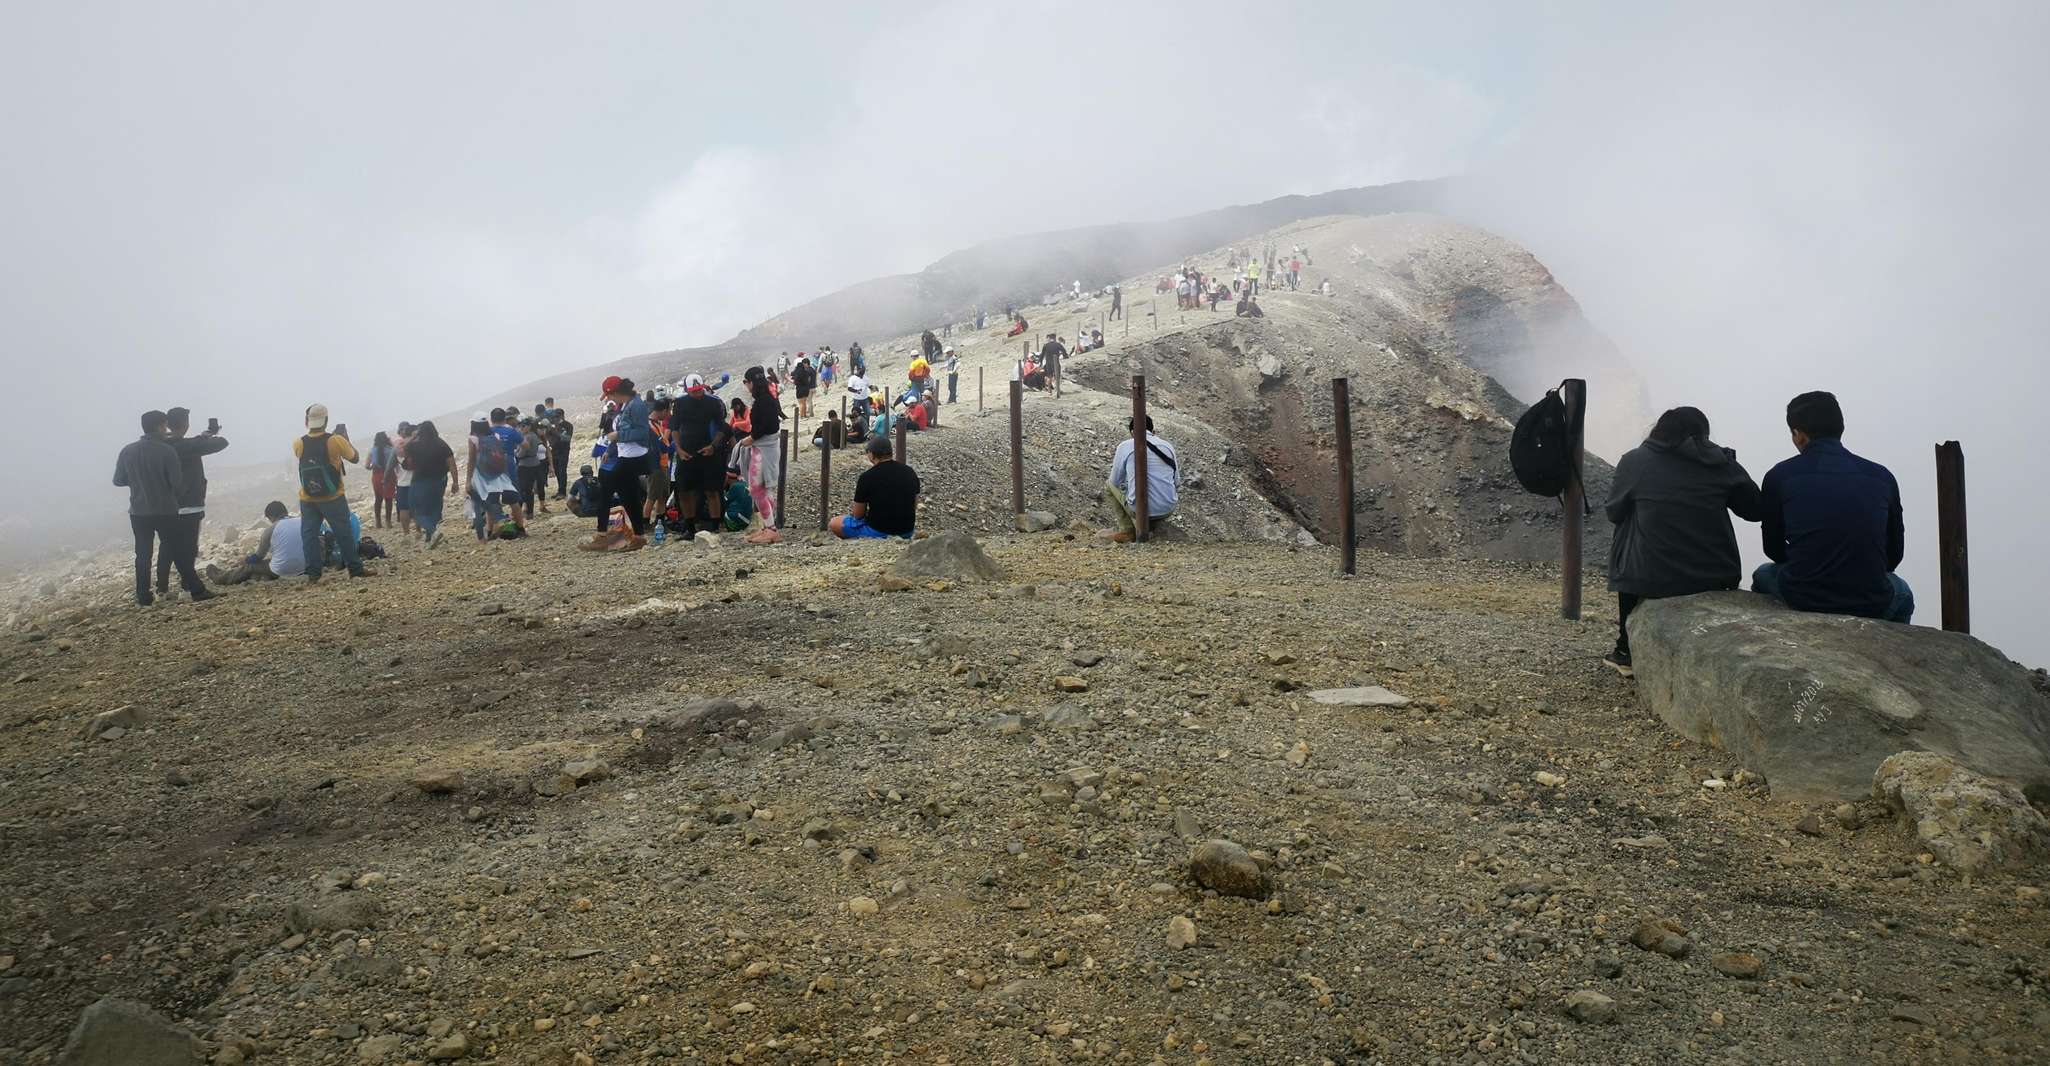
478, 807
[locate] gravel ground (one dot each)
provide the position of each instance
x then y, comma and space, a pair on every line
947, 825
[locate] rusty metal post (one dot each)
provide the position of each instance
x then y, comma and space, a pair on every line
825, 476
1142, 520
903, 440
978, 390
843, 405
1950, 537
1341, 407
782, 473
1574, 394
1017, 448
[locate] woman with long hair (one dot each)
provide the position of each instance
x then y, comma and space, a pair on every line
627, 445
383, 462
433, 464
1671, 501
490, 478
765, 427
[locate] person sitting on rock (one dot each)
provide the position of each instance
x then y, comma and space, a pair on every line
1249, 308
885, 498
1832, 523
1163, 484
256, 566
1671, 501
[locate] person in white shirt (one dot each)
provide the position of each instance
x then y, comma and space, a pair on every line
857, 387
1163, 484
287, 552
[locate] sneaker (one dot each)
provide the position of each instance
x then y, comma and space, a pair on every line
1121, 537
203, 593
144, 599
435, 540
600, 542
1619, 661
359, 572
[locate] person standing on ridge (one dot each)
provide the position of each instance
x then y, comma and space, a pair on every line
699, 423
1117, 302
805, 378
629, 442
321, 457
382, 464
434, 479
763, 474
192, 498
953, 373
920, 374
150, 470
1050, 355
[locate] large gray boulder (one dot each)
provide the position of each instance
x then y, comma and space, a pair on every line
953, 555
122, 1032
1816, 702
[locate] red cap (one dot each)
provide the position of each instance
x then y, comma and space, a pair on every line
610, 386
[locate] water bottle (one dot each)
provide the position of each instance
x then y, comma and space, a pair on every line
661, 531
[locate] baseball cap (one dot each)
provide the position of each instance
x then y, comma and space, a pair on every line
611, 384
316, 416
693, 382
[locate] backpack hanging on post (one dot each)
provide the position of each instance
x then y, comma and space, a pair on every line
1540, 450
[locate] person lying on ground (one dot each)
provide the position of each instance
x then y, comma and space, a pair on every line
1671, 501
1163, 484
1832, 523
256, 566
885, 498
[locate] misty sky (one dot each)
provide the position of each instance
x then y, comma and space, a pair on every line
397, 208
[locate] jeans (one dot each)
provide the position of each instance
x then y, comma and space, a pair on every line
335, 514
150, 529
561, 460
181, 543
953, 385
533, 486
1766, 580
427, 504
488, 513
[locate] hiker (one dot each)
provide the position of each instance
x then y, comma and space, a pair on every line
1031, 376
1253, 278
149, 468
805, 378
1832, 523
192, 497
857, 362
953, 373
661, 455
434, 479
857, 388
1163, 484
256, 566
885, 498
827, 365
585, 497
1050, 355
532, 457
382, 463
1117, 302
698, 423
1249, 307
560, 434
321, 456
929, 346
920, 374
402, 478
737, 506
1018, 327
1324, 287
627, 444
1295, 272
510, 438
1095, 339
764, 427
1671, 501
488, 472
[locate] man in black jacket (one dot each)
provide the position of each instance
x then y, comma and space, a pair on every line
1671, 500
149, 469
1050, 355
192, 453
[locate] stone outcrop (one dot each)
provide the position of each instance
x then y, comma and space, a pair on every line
120, 1032
953, 555
1815, 702
1964, 819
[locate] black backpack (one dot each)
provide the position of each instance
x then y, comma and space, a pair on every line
1540, 451
317, 479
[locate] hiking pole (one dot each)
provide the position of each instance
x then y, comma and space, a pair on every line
1017, 449
825, 476
1950, 537
1141, 507
782, 471
1341, 406
1574, 393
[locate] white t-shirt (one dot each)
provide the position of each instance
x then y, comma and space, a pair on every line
857, 385
287, 553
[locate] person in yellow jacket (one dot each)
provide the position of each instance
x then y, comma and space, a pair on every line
321, 456
921, 376
1253, 278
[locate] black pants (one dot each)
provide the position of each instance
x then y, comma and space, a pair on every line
1625, 603
533, 486
181, 543
623, 483
167, 530
561, 459
1117, 309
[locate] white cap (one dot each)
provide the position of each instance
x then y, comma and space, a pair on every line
316, 416
693, 381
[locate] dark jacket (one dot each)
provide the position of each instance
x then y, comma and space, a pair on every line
1673, 537
1833, 523
192, 465
148, 468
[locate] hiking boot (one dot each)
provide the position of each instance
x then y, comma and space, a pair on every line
359, 572
1119, 537
600, 542
1619, 661
202, 593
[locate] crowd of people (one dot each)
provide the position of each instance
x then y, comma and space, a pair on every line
1829, 520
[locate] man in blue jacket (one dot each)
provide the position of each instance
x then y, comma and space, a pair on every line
1832, 523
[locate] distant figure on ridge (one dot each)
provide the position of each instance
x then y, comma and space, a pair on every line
1832, 523
1671, 501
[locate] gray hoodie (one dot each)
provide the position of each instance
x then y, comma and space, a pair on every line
149, 469
1671, 504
